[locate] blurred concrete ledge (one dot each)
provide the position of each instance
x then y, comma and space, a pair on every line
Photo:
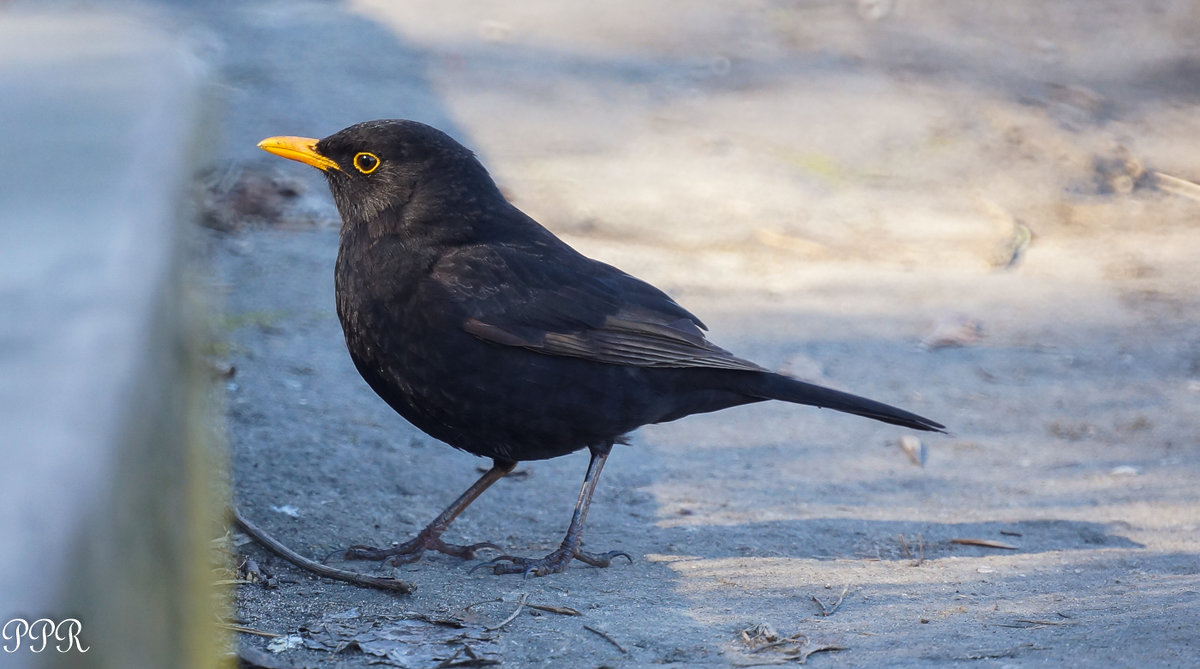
106, 487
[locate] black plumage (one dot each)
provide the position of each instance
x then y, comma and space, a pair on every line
488, 332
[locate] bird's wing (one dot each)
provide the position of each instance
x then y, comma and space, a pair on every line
545, 297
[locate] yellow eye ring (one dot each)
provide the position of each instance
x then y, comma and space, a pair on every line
366, 162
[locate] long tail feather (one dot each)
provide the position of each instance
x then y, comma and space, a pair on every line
779, 387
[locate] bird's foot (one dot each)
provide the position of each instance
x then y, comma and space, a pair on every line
551, 564
411, 551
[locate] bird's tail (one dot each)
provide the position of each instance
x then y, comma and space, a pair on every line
779, 387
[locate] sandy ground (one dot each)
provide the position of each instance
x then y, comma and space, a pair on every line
827, 184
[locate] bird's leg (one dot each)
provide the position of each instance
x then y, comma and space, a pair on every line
569, 550
430, 537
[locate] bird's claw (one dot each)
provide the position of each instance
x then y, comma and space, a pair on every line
513, 564
603, 559
490, 563
553, 563
410, 551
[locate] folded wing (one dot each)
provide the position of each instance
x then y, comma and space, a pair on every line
572, 306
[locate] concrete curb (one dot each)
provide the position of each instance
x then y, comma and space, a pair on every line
105, 493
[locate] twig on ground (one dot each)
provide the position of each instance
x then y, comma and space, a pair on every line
1029, 623
825, 613
273, 545
986, 543
513, 615
245, 630
604, 635
919, 558
561, 610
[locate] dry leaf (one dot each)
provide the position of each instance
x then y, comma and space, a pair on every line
405, 642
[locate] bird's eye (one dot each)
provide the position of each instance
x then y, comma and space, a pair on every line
366, 162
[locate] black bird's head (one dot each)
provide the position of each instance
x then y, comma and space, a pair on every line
386, 165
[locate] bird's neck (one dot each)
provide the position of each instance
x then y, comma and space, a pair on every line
438, 220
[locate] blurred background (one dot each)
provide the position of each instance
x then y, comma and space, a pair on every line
983, 211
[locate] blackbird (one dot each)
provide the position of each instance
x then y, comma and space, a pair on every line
486, 331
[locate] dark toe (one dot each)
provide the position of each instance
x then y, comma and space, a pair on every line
553, 563
497, 563
464, 552
603, 559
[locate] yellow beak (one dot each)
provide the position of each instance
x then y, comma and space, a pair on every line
301, 149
